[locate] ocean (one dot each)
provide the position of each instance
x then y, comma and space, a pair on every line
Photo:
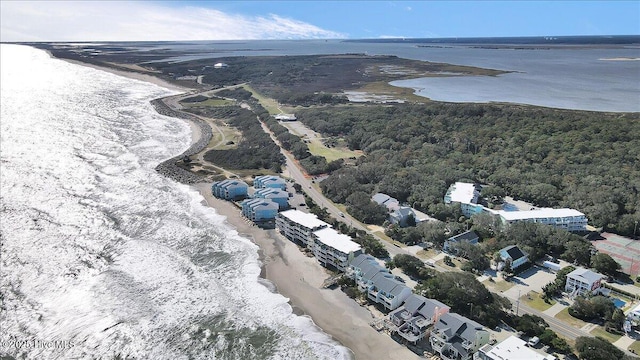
102, 257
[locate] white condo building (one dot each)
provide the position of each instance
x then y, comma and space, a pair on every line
299, 226
333, 248
568, 219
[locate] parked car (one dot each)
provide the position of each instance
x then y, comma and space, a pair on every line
533, 341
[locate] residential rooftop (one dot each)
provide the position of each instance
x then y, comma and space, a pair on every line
336, 240
309, 221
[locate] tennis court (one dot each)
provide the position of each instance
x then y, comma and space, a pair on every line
624, 250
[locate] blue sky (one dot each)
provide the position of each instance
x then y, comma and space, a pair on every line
227, 20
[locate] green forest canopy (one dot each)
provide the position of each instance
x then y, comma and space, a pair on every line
589, 161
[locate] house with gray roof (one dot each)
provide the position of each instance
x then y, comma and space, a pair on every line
387, 291
583, 281
401, 216
470, 237
412, 320
455, 337
387, 201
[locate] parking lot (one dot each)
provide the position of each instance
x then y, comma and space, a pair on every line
533, 279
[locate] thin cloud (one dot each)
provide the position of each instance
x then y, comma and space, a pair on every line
141, 21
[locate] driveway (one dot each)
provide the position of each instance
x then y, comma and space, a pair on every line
533, 279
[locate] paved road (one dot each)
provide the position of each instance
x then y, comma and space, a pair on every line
308, 187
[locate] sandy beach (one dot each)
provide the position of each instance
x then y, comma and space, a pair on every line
296, 276
300, 279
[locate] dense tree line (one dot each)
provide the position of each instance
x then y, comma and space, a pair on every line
412, 266
255, 150
597, 348
558, 158
533, 325
466, 296
598, 307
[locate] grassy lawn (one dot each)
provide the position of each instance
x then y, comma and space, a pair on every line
427, 254
536, 301
599, 331
635, 347
456, 262
230, 135
317, 148
271, 105
499, 285
564, 316
384, 237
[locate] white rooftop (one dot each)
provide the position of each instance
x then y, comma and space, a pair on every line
336, 240
538, 214
464, 193
309, 221
586, 274
513, 348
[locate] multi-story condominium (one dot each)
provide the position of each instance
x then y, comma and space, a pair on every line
582, 281
387, 291
514, 255
280, 197
511, 348
299, 226
259, 210
363, 268
469, 236
568, 219
230, 189
333, 249
455, 337
269, 181
412, 320
465, 194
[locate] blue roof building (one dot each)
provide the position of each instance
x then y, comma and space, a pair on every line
259, 210
278, 196
230, 189
269, 181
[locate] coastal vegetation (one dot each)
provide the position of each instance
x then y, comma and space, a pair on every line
553, 158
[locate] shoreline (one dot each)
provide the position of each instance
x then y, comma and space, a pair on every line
299, 278
295, 276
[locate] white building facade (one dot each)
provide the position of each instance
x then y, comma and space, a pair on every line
299, 226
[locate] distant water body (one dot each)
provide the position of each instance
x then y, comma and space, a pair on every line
104, 255
574, 75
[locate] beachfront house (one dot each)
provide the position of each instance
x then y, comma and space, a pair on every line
455, 337
387, 291
510, 348
362, 269
582, 282
260, 210
513, 255
299, 226
269, 181
333, 249
469, 237
277, 195
230, 189
467, 195
412, 320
